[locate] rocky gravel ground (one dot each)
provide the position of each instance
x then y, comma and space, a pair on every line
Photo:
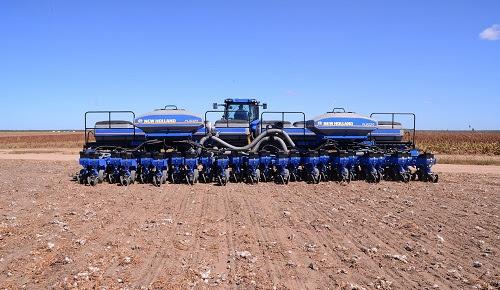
55, 233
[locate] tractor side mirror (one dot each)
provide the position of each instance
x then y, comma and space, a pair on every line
214, 106
264, 106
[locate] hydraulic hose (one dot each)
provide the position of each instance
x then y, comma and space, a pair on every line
256, 148
254, 142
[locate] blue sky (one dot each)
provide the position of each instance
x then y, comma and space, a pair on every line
59, 59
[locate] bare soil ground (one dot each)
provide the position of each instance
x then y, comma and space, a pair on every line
55, 233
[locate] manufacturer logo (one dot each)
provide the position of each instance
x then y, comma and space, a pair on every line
160, 121
335, 124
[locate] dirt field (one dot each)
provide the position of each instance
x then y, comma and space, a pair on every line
55, 233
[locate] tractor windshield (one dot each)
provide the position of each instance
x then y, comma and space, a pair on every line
241, 111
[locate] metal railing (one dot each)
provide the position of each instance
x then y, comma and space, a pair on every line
224, 118
283, 113
412, 141
89, 130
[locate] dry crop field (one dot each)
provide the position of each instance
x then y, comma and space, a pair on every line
40, 140
460, 142
440, 142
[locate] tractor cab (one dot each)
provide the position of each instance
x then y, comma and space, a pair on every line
240, 110
238, 116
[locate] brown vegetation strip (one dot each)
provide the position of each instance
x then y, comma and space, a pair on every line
441, 142
455, 142
32, 140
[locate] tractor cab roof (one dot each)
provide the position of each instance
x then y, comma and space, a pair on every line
244, 101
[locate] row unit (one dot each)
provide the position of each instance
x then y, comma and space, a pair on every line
311, 166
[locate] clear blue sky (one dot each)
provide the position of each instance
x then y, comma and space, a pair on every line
59, 59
